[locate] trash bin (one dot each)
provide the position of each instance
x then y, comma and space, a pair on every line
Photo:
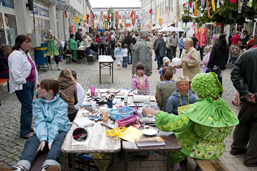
40, 55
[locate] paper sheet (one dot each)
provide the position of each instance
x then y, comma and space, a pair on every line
83, 122
130, 134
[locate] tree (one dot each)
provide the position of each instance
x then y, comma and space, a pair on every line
110, 11
227, 13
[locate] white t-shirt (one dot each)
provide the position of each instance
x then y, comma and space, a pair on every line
124, 52
80, 94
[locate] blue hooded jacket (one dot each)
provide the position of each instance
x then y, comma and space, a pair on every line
174, 101
50, 118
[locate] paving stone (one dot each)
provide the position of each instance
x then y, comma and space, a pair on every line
241, 167
158, 163
146, 164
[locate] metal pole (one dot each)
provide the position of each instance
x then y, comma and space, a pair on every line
151, 13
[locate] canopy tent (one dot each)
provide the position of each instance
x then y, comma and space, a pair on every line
170, 29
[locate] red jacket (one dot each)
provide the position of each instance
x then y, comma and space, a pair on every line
98, 40
235, 39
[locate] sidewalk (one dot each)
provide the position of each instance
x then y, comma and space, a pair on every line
88, 75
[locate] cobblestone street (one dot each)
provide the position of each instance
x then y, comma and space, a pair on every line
88, 75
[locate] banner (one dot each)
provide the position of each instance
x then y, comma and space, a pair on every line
158, 14
196, 12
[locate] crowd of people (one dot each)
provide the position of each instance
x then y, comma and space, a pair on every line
206, 122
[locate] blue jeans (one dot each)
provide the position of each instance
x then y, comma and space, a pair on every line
25, 97
159, 61
129, 61
30, 151
125, 62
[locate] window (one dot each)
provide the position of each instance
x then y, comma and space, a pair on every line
43, 12
2, 32
7, 3
11, 30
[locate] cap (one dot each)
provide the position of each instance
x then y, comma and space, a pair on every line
165, 59
251, 36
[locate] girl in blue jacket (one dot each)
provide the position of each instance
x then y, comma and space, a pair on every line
50, 111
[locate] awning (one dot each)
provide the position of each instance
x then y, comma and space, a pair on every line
170, 29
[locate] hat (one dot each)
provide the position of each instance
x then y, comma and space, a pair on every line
251, 36
165, 59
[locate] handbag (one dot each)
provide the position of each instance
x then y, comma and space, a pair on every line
215, 69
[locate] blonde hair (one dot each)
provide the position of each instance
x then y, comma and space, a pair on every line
119, 45
207, 49
66, 73
190, 41
182, 78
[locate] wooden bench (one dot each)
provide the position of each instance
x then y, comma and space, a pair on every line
4, 80
39, 160
210, 165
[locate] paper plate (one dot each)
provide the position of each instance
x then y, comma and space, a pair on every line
150, 132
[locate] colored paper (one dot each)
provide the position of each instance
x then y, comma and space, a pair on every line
208, 8
130, 134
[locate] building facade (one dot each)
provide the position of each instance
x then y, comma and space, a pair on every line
119, 19
56, 15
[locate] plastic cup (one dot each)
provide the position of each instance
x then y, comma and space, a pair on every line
93, 104
92, 89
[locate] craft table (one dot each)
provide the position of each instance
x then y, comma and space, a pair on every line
171, 144
96, 142
105, 61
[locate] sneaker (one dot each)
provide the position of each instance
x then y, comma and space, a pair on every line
26, 136
59, 68
51, 68
50, 168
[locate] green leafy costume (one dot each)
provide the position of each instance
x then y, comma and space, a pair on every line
201, 129
73, 45
51, 49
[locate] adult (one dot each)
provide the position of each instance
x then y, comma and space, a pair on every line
195, 40
190, 60
102, 44
78, 35
245, 39
87, 44
181, 44
160, 50
23, 80
142, 54
165, 88
5, 50
219, 56
73, 45
251, 42
234, 48
98, 40
168, 45
51, 49
244, 79
127, 41
202, 129
107, 46
173, 42
182, 96
112, 44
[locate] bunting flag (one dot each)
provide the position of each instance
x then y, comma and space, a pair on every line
151, 10
233, 1
213, 5
208, 8
109, 16
202, 3
121, 16
132, 14
87, 17
181, 9
251, 3
126, 14
190, 4
240, 3
98, 18
196, 12
179, 12
218, 4
222, 2
66, 15
158, 14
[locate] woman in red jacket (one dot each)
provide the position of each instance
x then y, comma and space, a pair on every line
234, 48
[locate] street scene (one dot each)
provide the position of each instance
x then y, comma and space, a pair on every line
144, 85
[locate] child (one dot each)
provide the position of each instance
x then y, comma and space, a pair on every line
166, 63
50, 111
68, 87
118, 54
202, 129
81, 93
181, 97
140, 80
125, 56
205, 61
234, 53
251, 42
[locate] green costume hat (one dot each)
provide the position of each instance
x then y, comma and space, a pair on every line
210, 110
207, 85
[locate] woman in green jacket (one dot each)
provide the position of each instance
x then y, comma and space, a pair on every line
202, 129
73, 45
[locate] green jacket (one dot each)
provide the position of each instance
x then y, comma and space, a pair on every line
73, 45
202, 128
